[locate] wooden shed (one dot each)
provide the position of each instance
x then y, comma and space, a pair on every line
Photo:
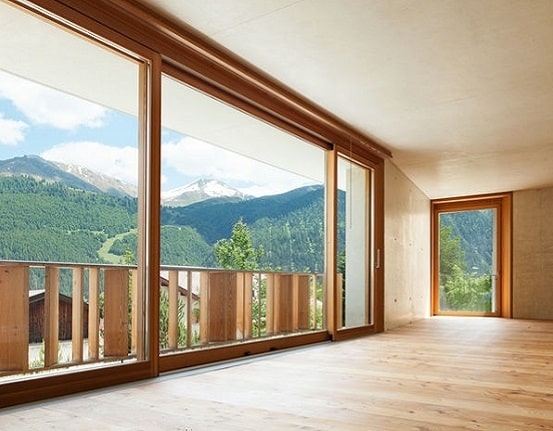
36, 316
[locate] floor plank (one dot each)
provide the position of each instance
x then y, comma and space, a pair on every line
445, 373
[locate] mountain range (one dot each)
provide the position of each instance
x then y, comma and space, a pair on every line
82, 178
61, 213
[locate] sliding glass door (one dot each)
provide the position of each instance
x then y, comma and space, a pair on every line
354, 258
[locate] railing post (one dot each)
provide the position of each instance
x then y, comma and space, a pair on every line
240, 306
204, 307
222, 306
314, 303
284, 305
173, 314
302, 301
51, 315
243, 305
116, 313
261, 295
295, 302
189, 303
139, 315
271, 312
77, 315
93, 314
247, 311
136, 313
14, 318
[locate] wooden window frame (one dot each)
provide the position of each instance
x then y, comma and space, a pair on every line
502, 202
190, 56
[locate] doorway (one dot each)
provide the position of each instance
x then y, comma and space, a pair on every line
471, 256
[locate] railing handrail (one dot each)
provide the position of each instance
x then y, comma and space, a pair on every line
38, 264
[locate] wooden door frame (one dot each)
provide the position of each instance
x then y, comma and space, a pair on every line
502, 202
375, 247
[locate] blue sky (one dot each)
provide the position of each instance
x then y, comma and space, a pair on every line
35, 119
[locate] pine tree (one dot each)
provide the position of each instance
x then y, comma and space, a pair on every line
238, 251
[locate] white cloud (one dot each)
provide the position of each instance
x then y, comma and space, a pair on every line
189, 157
12, 132
194, 158
118, 162
44, 105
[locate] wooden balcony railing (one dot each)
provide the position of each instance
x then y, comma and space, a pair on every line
209, 307
59, 315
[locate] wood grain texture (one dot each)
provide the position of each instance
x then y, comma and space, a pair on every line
116, 312
443, 373
14, 318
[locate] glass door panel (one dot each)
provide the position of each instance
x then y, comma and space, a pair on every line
242, 229
354, 238
468, 261
70, 147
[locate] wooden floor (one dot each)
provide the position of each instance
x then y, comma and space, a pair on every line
436, 374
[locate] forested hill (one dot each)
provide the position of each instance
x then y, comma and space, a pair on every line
214, 218
473, 228
289, 227
45, 221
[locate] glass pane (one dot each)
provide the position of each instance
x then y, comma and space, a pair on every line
468, 261
69, 174
354, 228
242, 217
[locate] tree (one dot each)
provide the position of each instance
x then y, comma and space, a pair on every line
452, 257
459, 290
238, 251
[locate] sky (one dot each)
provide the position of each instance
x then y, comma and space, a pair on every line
35, 119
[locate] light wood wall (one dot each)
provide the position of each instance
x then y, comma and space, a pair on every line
407, 250
533, 254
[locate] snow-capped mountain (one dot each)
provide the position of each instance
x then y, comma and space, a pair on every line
103, 182
85, 179
70, 175
198, 191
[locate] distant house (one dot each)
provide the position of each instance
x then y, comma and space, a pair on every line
183, 292
36, 312
183, 295
36, 317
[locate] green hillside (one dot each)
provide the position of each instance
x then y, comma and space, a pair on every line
180, 245
41, 221
289, 227
46, 221
473, 228
214, 218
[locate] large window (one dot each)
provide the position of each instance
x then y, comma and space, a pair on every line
471, 256
242, 232
69, 189
153, 200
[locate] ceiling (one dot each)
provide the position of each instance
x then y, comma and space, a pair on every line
460, 91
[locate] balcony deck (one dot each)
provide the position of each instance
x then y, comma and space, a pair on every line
442, 373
